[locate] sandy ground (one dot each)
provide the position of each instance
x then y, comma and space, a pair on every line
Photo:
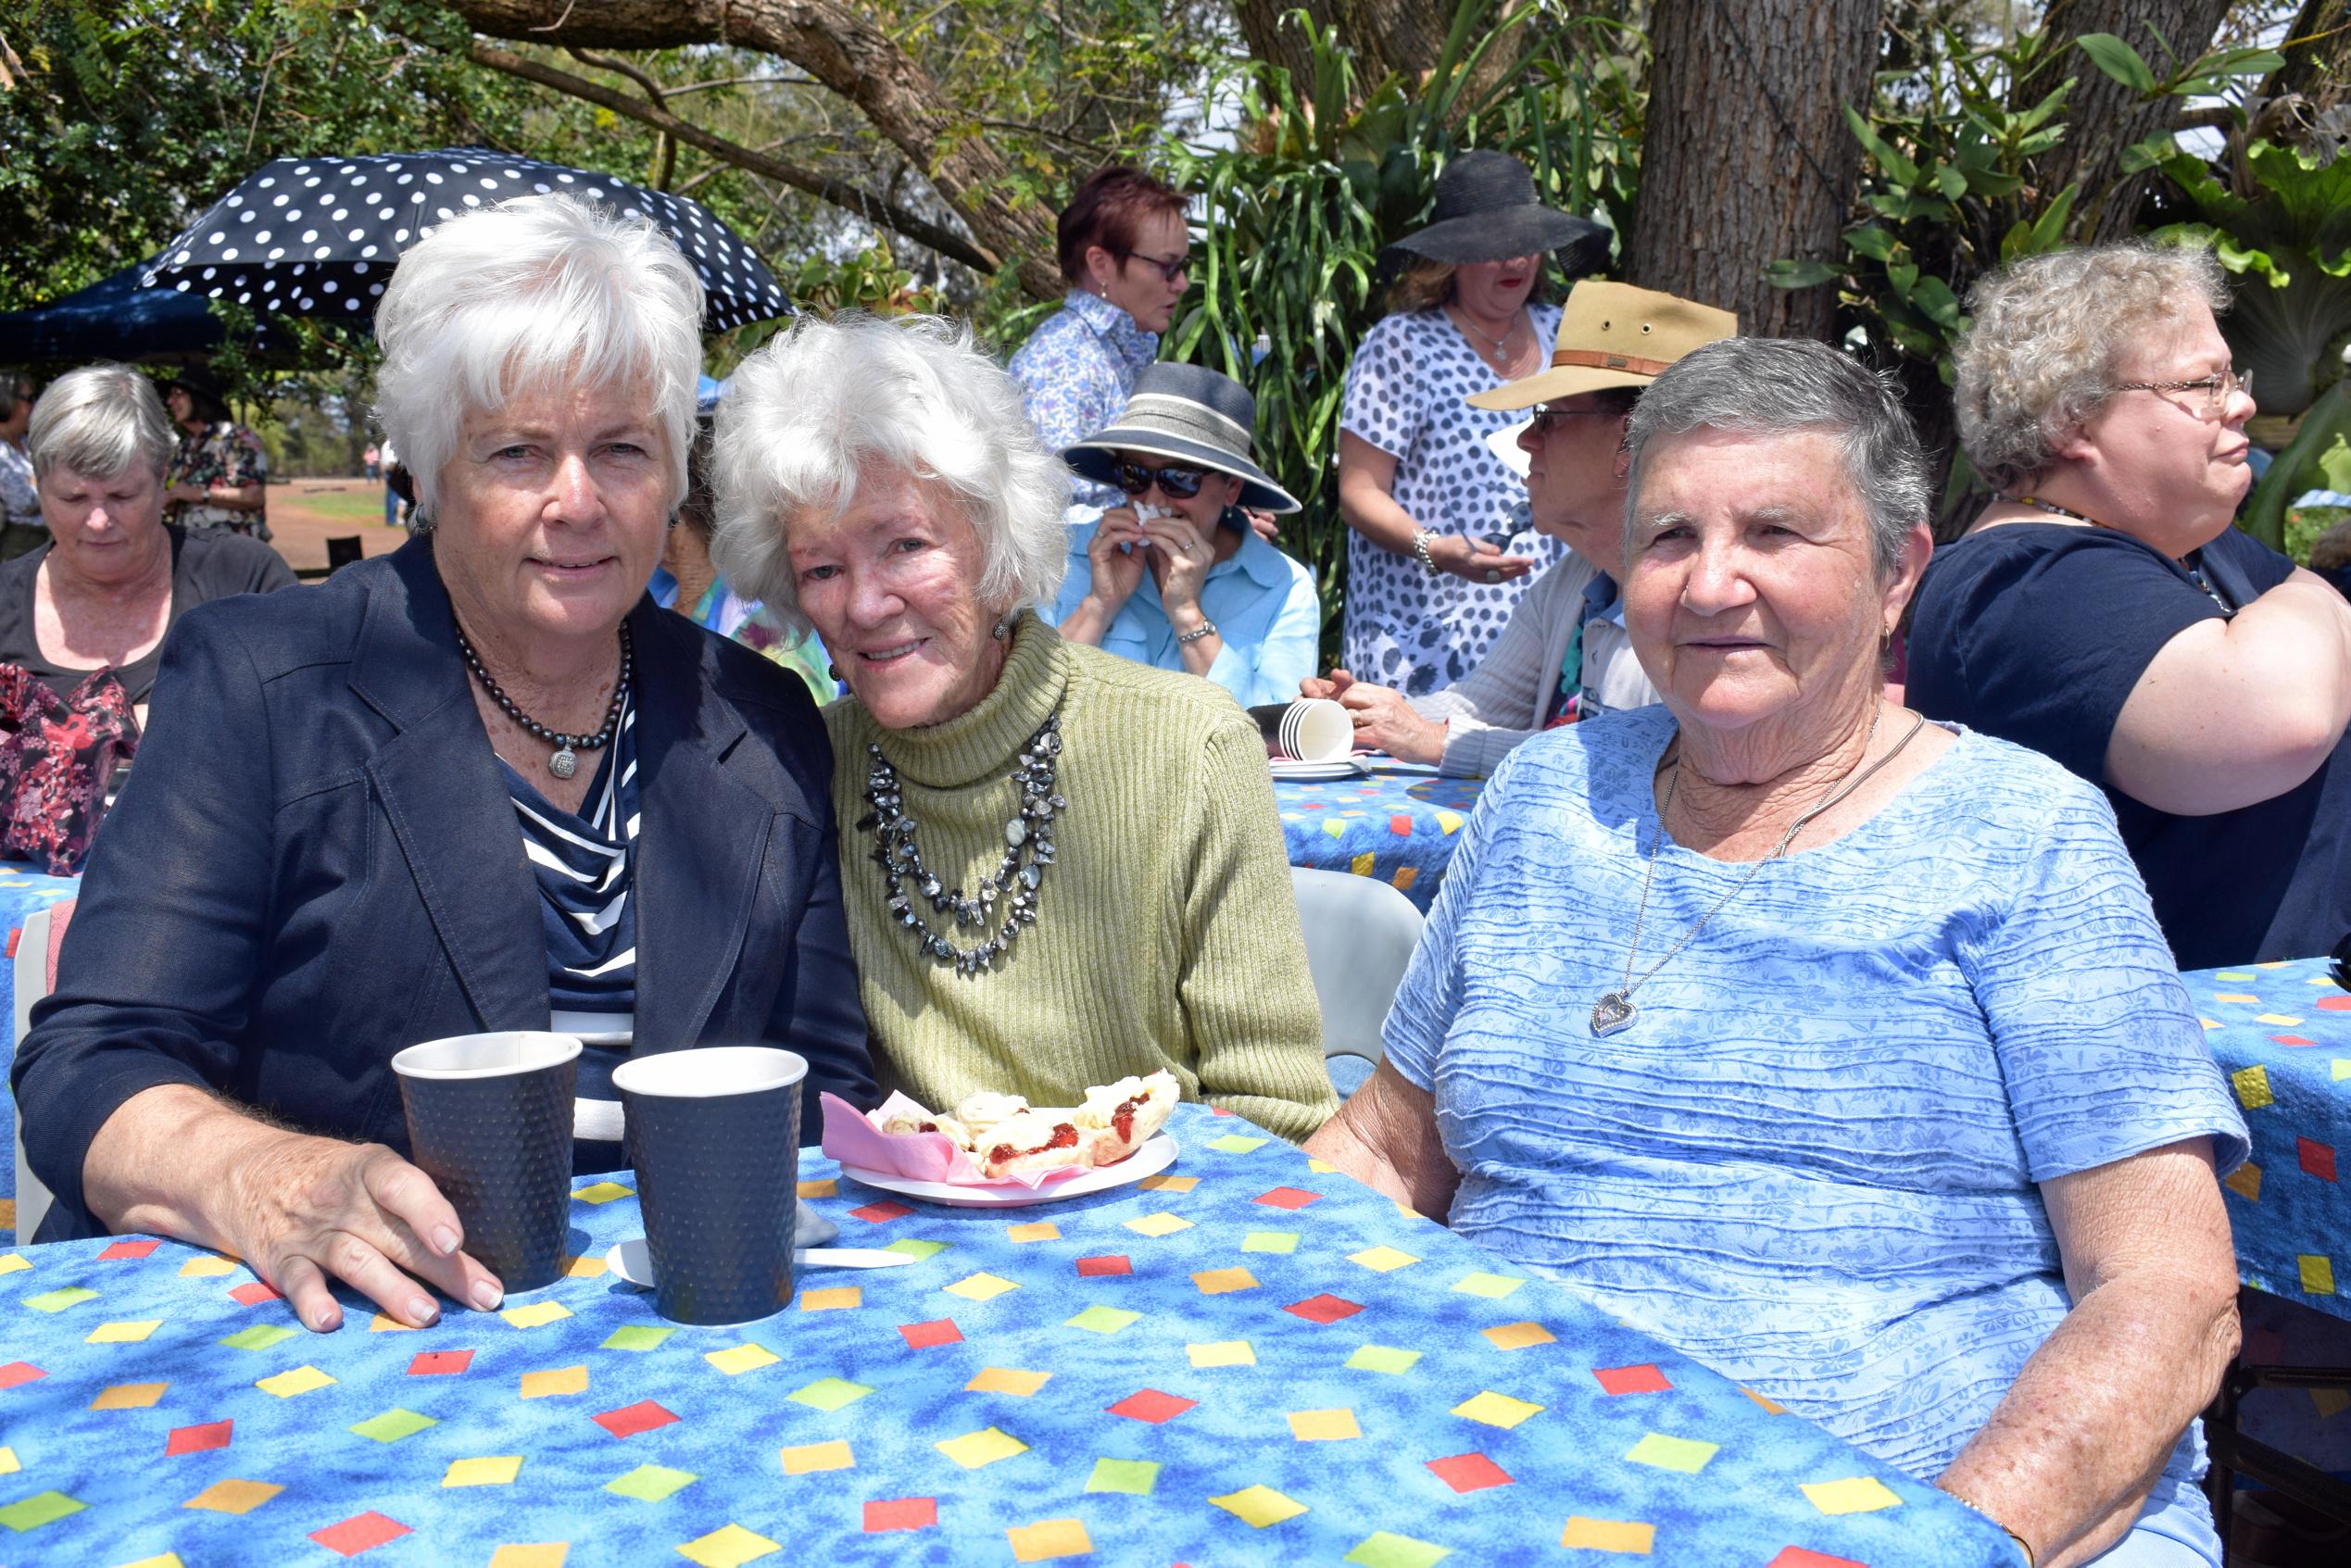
303, 518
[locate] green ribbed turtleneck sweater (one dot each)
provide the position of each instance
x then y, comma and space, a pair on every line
1166, 933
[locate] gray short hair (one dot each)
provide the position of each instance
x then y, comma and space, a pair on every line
2041, 354
531, 292
805, 414
1775, 386
100, 422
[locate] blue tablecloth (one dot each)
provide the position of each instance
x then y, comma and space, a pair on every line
1400, 822
1245, 1360
22, 892
2282, 1031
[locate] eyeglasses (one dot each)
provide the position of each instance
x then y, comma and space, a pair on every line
1171, 267
1550, 417
1174, 483
2216, 389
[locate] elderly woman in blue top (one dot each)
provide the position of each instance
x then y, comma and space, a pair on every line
478, 783
1177, 579
1836, 1049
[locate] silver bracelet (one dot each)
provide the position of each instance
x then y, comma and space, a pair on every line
1205, 629
1420, 536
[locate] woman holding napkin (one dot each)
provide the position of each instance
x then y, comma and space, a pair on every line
1178, 580
453, 790
1061, 869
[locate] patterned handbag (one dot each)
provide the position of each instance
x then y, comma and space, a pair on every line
57, 757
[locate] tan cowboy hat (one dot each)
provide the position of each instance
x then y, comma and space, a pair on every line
1614, 335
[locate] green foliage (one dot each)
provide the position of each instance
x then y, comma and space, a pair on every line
2320, 454
1326, 173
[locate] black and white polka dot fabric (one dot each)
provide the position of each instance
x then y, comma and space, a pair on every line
320, 236
1406, 627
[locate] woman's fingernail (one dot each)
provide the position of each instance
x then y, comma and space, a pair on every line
487, 1296
327, 1321
445, 1241
421, 1311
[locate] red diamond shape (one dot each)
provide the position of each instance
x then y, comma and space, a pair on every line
2334, 1004
19, 1371
1632, 1379
1325, 1309
1108, 1263
1470, 1472
630, 1420
878, 1213
1289, 1197
362, 1531
1152, 1406
1220, 1110
198, 1439
440, 1363
1798, 1557
1400, 825
128, 1250
252, 1293
2318, 1158
922, 1336
901, 1513
2291, 1040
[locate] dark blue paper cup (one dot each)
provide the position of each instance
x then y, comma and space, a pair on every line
490, 1121
714, 1133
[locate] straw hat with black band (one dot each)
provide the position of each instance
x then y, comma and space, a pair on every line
1613, 335
1485, 210
1186, 414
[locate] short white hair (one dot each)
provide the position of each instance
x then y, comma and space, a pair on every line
534, 292
101, 422
808, 414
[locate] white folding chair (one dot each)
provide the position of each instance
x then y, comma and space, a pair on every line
32, 983
1360, 935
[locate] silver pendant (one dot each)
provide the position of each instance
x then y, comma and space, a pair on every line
1612, 1013
563, 764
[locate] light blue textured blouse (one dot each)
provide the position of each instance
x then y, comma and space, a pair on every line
1811, 1162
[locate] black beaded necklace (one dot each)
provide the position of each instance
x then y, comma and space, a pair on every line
1028, 836
563, 764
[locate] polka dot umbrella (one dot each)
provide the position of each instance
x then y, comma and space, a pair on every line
320, 237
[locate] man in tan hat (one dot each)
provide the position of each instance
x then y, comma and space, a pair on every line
1564, 655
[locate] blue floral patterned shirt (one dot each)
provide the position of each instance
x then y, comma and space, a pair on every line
1075, 372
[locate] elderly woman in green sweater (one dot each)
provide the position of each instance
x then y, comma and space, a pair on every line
1060, 867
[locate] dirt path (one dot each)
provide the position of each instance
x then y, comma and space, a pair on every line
306, 513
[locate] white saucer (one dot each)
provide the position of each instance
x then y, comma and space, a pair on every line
1149, 1161
1310, 772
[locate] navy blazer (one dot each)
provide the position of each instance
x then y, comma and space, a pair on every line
315, 862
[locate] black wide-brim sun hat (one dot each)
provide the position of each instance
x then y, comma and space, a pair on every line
1186, 414
1486, 211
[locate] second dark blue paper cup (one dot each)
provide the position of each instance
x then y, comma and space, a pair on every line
714, 1133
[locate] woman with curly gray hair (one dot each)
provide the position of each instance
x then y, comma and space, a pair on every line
1098, 887
2103, 610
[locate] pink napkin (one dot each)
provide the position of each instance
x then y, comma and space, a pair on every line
855, 1138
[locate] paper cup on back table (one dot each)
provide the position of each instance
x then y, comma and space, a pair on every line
714, 1133
490, 1121
1313, 730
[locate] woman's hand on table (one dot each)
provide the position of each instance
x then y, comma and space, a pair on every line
1385, 722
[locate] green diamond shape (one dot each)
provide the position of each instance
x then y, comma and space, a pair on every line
1491, 1286
260, 1336
638, 1337
651, 1483
1103, 1320
1383, 1358
1381, 1549
1684, 1454
1270, 1241
1233, 1143
394, 1424
59, 1300
42, 1508
1134, 1476
916, 1249
831, 1393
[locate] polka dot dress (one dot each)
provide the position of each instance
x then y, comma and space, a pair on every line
1406, 627
320, 237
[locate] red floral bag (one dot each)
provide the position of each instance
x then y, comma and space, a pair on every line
56, 758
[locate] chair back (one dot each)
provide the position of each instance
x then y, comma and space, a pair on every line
343, 552
36, 975
1360, 935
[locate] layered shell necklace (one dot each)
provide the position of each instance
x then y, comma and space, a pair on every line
1009, 893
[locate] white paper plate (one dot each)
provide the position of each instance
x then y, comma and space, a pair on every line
1149, 1161
1308, 773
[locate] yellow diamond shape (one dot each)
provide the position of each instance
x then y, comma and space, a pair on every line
1767, 1407
1224, 1281
207, 1267
602, 1192
587, 1266
531, 1555
1382, 1260
828, 1187
1495, 1409
1223, 1352
2277, 1020
1043, 1230
234, 1497
1609, 1534
1164, 1182
386, 1323
1007, 1380
730, 1546
300, 1380
2234, 996
136, 1396
980, 1287
1856, 1494
2244, 1181
812, 1457
1259, 1506
1519, 1336
14, 1264
741, 1358
1324, 1426
537, 1314
556, 1380
1161, 1223
2318, 1273
985, 1446
2253, 1086
1051, 1538
122, 1332
832, 1298
498, 1471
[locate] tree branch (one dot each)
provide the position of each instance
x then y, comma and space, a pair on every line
665, 150
874, 209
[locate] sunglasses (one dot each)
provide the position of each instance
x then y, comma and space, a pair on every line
1174, 483
1550, 417
1171, 267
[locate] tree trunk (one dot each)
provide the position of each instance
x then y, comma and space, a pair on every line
2104, 117
842, 49
1747, 160
1386, 35
2320, 67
